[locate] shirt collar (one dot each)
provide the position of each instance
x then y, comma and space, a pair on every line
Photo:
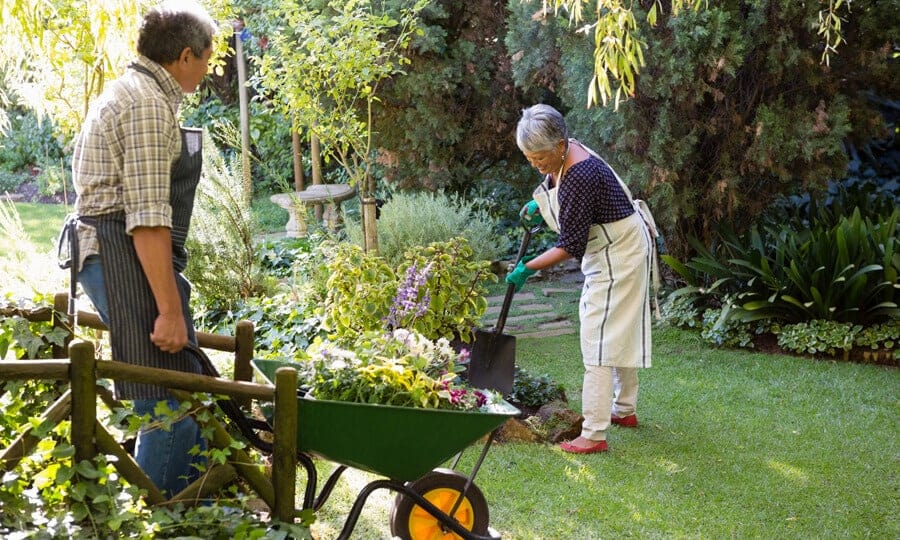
167, 82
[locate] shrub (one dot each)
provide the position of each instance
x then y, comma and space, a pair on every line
29, 141
845, 273
223, 265
437, 291
410, 220
10, 181
534, 391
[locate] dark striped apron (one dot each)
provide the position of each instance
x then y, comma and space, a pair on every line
132, 307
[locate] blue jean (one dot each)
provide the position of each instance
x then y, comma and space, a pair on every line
165, 454
162, 454
91, 279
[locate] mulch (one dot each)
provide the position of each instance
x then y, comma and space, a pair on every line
28, 192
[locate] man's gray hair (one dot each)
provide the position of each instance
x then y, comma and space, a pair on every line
173, 25
540, 129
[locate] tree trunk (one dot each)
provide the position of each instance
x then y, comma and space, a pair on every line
316, 158
298, 158
245, 118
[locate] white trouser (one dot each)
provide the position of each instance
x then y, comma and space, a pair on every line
607, 391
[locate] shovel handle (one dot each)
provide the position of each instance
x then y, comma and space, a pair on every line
511, 289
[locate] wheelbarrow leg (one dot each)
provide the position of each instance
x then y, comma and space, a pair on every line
471, 477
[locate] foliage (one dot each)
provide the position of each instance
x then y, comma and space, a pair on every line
68, 49
10, 181
409, 220
534, 391
835, 338
400, 368
725, 117
223, 265
54, 179
618, 53
818, 336
270, 138
876, 197
48, 496
717, 328
847, 272
446, 124
362, 288
325, 67
29, 141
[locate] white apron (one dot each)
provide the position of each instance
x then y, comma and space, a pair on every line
615, 300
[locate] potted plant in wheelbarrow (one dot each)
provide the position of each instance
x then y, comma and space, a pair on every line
392, 403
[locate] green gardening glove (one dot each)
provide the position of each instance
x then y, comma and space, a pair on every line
531, 214
520, 275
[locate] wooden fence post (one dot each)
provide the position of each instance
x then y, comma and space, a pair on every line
60, 310
243, 353
84, 399
284, 455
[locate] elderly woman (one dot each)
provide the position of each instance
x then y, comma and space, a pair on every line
584, 201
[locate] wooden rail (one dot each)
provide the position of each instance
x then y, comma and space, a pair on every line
77, 364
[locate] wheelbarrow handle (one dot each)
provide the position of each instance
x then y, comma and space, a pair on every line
511, 288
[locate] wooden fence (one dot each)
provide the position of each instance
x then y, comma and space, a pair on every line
76, 363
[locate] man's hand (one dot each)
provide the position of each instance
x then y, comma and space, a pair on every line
169, 332
530, 214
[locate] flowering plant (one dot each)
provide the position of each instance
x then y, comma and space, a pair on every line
400, 368
437, 290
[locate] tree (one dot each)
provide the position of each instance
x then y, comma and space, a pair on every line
56, 55
735, 108
324, 69
619, 49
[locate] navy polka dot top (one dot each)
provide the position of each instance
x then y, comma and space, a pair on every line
588, 195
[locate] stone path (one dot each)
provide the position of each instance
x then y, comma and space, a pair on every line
532, 312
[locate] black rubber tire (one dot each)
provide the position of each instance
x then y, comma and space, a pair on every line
439, 479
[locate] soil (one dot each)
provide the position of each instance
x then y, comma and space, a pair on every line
29, 192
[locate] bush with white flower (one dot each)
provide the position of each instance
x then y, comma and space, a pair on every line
401, 368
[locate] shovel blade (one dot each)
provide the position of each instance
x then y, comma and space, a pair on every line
492, 361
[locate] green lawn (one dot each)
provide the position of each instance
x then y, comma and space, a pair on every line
42, 223
732, 444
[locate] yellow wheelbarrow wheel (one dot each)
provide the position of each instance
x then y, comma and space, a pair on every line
440, 487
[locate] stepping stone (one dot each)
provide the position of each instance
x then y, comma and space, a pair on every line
546, 333
518, 297
527, 307
554, 290
565, 323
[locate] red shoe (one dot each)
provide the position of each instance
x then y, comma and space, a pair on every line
601, 446
625, 421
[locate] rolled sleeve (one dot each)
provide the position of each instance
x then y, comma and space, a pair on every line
151, 143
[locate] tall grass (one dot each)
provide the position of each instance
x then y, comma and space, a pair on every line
28, 235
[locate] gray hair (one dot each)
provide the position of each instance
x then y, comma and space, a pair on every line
540, 129
173, 25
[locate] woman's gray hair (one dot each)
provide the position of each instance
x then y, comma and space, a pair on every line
173, 25
540, 129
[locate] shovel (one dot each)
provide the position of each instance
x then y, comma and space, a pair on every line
492, 359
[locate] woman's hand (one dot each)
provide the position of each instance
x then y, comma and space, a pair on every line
520, 275
531, 214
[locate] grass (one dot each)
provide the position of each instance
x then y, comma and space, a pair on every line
42, 223
732, 444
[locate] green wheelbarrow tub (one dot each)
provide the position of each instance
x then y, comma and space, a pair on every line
401, 443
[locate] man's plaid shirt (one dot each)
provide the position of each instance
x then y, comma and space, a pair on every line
124, 154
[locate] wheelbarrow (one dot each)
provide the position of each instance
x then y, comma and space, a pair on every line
405, 445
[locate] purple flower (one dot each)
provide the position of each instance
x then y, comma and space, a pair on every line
407, 302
